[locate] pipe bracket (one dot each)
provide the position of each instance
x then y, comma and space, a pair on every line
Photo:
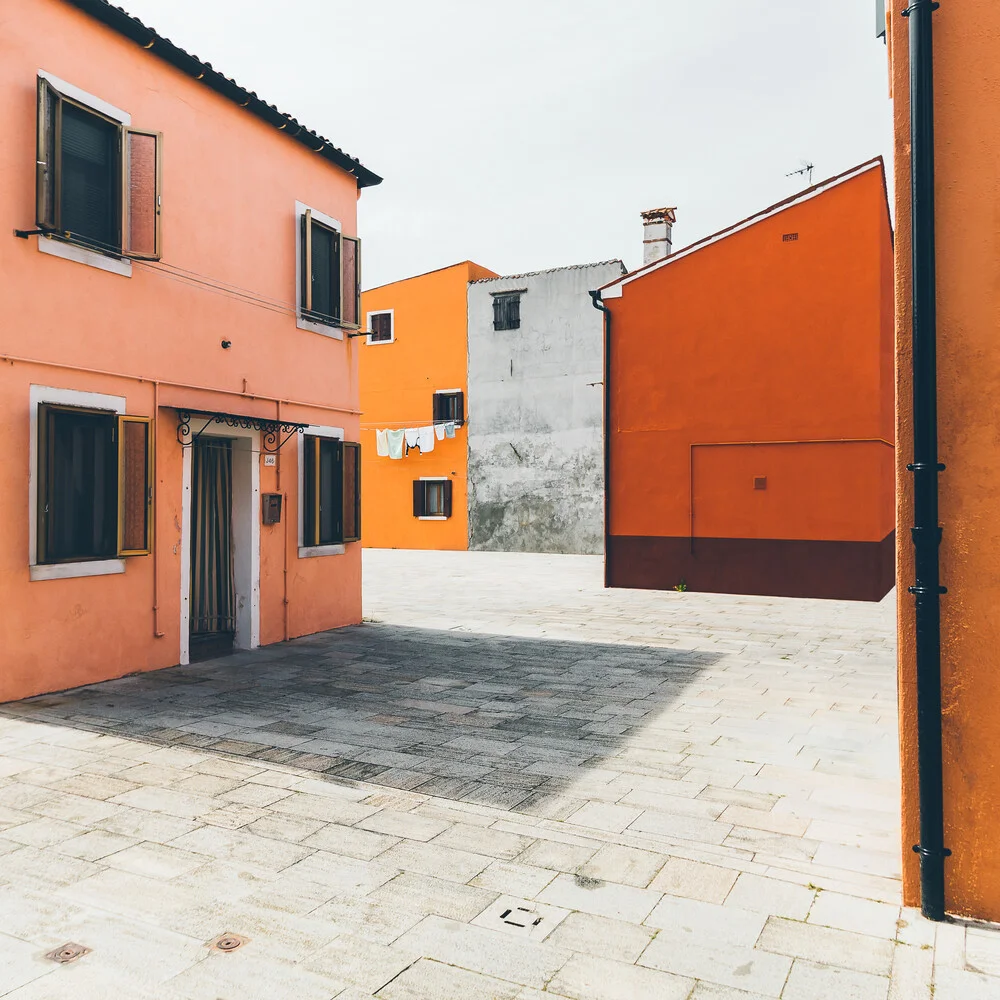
915, 7
929, 852
919, 589
924, 466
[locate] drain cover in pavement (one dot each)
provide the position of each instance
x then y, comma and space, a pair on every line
228, 942
522, 918
69, 952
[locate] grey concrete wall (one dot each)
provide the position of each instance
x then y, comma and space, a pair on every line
535, 407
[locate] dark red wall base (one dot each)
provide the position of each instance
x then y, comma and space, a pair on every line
769, 567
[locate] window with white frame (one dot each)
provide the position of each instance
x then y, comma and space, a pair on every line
432, 498
97, 177
330, 485
381, 326
329, 272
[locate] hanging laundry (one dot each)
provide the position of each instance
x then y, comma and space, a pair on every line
395, 442
439, 431
449, 429
425, 439
382, 444
411, 434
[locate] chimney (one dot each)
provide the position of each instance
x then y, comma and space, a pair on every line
657, 233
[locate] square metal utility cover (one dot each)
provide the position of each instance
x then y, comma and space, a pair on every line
521, 918
69, 952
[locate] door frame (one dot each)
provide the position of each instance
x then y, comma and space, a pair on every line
246, 536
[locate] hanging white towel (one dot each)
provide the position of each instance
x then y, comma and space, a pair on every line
395, 442
449, 429
411, 434
439, 431
425, 439
382, 444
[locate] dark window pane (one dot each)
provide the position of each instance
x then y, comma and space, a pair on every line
381, 327
89, 177
434, 504
325, 273
309, 479
449, 407
80, 502
328, 505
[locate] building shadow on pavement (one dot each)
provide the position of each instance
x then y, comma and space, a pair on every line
514, 723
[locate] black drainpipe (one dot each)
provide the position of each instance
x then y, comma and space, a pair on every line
925, 467
598, 303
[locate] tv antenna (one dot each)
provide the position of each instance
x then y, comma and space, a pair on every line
807, 169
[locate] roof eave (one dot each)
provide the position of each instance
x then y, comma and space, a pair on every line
132, 28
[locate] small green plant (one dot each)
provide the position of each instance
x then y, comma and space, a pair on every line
682, 586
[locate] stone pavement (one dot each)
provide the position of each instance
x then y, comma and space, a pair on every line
509, 784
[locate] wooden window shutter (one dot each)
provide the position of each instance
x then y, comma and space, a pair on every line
352, 491
438, 405
350, 294
135, 486
141, 198
446, 489
459, 407
46, 156
305, 260
310, 490
419, 498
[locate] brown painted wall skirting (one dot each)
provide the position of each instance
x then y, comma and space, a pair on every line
770, 567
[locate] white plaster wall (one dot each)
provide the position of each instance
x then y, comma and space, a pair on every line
535, 408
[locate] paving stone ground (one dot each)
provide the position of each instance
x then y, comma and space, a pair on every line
508, 784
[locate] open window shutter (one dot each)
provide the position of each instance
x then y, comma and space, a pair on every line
446, 487
418, 498
135, 488
352, 491
46, 156
141, 194
459, 407
439, 401
350, 257
305, 259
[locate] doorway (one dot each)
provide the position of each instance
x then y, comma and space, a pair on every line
212, 619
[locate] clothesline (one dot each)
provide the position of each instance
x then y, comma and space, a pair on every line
403, 424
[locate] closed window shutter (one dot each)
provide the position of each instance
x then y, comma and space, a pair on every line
497, 313
447, 486
352, 491
305, 259
310, 490
419, 505
141, 169
135, 487
438, 405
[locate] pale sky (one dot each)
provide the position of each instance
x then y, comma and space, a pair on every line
526, 134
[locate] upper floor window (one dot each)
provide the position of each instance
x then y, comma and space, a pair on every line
507, 311
97, 178
449, 406
330, 265
380, 324
94, 485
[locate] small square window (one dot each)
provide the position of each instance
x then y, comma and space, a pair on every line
449, 407
380, 324
432, 497
507, 311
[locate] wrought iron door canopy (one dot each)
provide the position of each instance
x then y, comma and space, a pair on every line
271, 431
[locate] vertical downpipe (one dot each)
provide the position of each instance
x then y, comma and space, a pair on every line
154, 540
925, 467
599, 304
286, 514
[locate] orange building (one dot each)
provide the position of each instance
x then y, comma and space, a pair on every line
948, 266
749, 425
178, 389
414, 372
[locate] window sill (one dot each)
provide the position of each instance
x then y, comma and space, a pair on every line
81, 255
375, 343
312, 551
333, 332
68, 571
432, 517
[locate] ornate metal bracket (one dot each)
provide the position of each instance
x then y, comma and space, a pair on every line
271, 431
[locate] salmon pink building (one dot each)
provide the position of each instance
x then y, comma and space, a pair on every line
178, 382
749, 422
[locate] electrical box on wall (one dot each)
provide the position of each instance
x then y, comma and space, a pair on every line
271, 508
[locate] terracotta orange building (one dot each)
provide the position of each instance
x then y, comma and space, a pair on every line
414, 372
947, 309
749, 425
178, 389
